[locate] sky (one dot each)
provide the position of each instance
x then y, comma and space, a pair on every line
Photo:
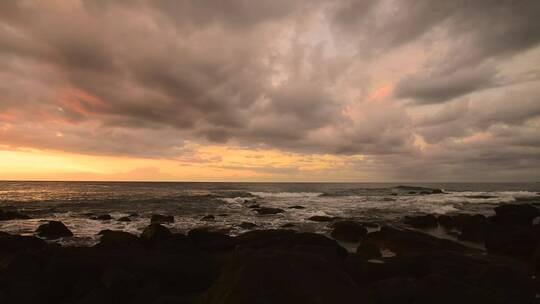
270, 90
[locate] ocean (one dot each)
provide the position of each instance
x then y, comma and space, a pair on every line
75, 203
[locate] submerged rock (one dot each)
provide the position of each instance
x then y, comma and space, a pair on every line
247, 225
118, 240
209, 217
161, 219
7, 215
368, 250
421, 221
348, 231
102, 217
297, 207
124, 219
268, 210
321, 218
155, 232
53, 230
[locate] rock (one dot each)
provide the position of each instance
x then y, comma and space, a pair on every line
394, 290
16, 243
207, 239
258, 277
254, 206
161, 219
288, 225
247, 225
224, 214
290, 241
368, 250
7, 215
518, 215
133, 214
515, 241
102, 217
421, 221
53, 230
321, 218
118, 240
208, 218
124, 219
474, 230
410, 243
268, 210
297, 207
155, 232
422, 190
348, 231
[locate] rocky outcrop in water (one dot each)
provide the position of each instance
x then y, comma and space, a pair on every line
161, 219
53, 230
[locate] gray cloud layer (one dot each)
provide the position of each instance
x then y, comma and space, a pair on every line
142, 77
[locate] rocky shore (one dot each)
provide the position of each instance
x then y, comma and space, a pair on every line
392, 264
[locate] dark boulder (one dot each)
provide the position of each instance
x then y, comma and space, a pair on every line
209, 217
297, 207
282, 277
474, 229
348, 231
6, 215
457, 221
515, 241
321, 218
155, 232
206, 239
268, 210
53, 230
368, 250
409, 243
288, 225
254, 206
516, 215
124, 219
421, 221
118, 240
101, 217
16, 243
161, 219
247, 225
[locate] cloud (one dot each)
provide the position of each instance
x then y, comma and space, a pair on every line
147, 78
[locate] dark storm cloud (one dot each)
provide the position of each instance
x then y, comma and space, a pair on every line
143, 77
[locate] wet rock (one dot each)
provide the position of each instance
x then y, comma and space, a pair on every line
394, 290
247, 225
53, 230
133, 214
321, 218
315, 281
161, 219
207, 239
209, 217
409, 243
101, 217
516, 215
124, 219
474, 229
288, 225
268, 210
421, 221
118, 240
155, 232
515, 241
348, 231
368, 250
254, 206
423, 190
297, 207
16, 243
6, 215
224, 214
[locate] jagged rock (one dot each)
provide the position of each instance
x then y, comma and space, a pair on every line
155, 232
321, 218
161, 219
7, 215
247, 225
368, 250
268, 210
118, 240
53, 230
209, 217
421, 221
348, 231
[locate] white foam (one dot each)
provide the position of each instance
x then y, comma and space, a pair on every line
286, 194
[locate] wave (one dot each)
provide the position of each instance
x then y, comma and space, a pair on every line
286, 194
